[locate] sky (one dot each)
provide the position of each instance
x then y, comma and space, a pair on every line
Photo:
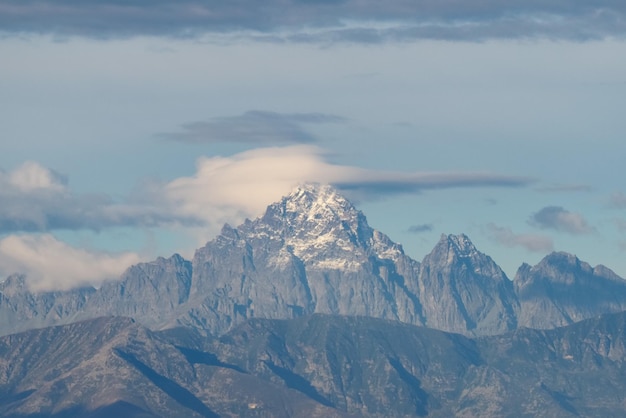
136, 129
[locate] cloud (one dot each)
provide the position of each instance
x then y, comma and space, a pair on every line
538, 24
257, 127
232, 188
50, 264
223, 189
31, 176
531, 242
320, 21
417, 229
37, 199
558, 188
557, 218
491, 201
373, 183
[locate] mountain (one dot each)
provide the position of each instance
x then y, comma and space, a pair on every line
465, 291
562, 289
115, 367
312, 366
151, 292
308, 311
22, 309
372, 367
577, 370
314, 252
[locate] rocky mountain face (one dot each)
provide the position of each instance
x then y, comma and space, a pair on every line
465, 291
151, 292
308, 311
313, 252
21, 309
562, 290
114, 367
314, 366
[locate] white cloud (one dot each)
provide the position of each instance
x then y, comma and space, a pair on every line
50, 264
532, 242
229, 189
31, 176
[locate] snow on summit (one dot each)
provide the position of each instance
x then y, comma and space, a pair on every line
320, 226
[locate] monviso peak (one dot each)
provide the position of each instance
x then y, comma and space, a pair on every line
311, 252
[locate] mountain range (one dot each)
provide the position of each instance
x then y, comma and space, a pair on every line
313, 366
308, 311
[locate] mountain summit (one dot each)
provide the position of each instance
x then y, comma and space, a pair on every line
320, 226
467, 291
561, 289
311, 252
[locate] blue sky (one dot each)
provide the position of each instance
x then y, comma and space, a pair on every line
136, 129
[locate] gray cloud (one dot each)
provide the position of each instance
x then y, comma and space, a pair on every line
258, 127
557, 188
531, 242
491, 201
320, 21
380, 184
94, 212
418, 229
37, 199
557, 218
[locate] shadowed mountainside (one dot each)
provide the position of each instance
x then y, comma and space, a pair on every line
320, 365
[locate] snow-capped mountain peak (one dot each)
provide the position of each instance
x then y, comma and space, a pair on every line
321, 227
317, 204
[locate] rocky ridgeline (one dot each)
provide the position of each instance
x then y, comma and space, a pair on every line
314, 252
314, 366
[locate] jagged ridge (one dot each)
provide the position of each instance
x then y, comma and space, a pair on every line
314, 252
315, 366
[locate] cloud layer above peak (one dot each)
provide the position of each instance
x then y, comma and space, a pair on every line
222, 189
320, 21
245, 183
